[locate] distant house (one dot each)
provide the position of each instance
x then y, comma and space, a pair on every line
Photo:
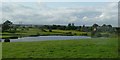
94, 29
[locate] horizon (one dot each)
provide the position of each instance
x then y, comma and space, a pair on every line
61, 24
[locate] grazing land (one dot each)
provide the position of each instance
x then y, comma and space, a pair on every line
36, 31
10, 30
83, 48
0, 50
103, 42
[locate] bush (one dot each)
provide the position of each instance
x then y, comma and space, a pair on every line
68, 33
37, 34
43, 30
98, 35
12, 31
6, 40
105, 35
50, 30
84, 34
75, 34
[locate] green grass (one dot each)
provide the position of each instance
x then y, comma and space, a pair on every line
84, 48
35, 31
0, 50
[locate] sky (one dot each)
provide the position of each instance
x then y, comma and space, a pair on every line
80, 13
59, 0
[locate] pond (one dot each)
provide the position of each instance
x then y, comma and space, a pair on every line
44, 38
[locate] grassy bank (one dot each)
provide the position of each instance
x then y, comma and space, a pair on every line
84, 48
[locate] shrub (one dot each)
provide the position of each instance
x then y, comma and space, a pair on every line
12, 31
43, 30
37, 34
68, 33
98, 35
84, 34
6, 40
75, 34
50, 30
105, 35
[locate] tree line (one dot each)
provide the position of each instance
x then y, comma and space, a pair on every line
9, 26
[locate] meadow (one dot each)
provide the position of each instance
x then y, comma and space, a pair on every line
39, 32
83, 48
0, 50
102, 44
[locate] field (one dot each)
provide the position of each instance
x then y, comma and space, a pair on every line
84, 48
36, 31
0, 50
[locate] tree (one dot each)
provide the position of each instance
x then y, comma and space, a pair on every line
110, 26
104, 25
95, 31
110, 29
73, 27
69, 26
95, 25
79, 28
83, 28
7, 25
54, 27
106, 28
72, 24
50, 29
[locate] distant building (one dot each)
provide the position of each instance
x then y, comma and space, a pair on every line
94, 29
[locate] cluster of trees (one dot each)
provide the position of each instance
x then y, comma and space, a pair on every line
71, 26
104, 28
9, 26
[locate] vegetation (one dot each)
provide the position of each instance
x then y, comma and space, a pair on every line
0, 50
10, 30
38, 32
7, 26
83, 48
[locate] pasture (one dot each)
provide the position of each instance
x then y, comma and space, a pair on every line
83, 48
0, 50
36, 31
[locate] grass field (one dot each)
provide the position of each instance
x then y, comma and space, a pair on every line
36, 31
84, 48
0, 50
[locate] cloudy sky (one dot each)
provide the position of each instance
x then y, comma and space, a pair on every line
59, 0
79, 13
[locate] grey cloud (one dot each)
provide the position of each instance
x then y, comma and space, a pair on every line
41, 14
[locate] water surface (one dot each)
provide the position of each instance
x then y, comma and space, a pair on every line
44, 38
